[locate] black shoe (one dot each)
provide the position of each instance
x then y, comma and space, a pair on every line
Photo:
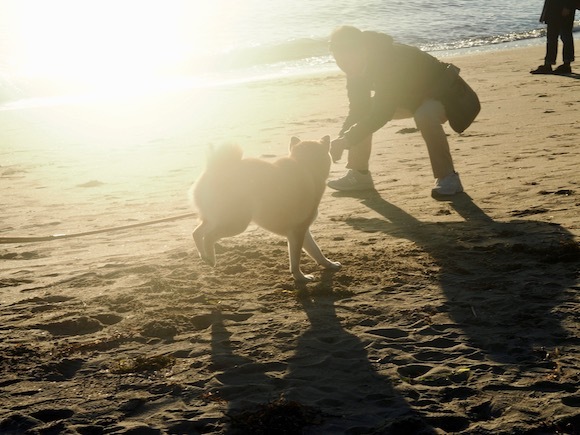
565, 68
542, 69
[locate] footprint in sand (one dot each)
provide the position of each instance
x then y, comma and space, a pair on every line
159, 329
457, 393
487, 410
29, 255
440, 343
41, 304
393, 333
413, 371
61, 370
92, 183
48, 415
108, 318
77, 326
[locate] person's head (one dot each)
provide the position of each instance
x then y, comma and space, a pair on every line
348, 49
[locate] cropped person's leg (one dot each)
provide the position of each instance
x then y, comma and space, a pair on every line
429, 118
358, 177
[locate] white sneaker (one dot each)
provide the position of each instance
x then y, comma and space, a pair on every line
447, 186
353, 180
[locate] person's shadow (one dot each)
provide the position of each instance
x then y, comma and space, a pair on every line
501, 280
575, 76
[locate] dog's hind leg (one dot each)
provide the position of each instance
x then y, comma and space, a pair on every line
209, 240
204, 242
312, 249
295, 243
214, 231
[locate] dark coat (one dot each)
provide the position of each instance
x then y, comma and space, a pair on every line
401, 76
552, 10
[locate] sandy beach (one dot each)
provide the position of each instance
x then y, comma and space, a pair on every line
459, 316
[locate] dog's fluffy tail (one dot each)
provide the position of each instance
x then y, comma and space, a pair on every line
219, 160
224, 155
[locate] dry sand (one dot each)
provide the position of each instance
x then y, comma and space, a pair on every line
447, 317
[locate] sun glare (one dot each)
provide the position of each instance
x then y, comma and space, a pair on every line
104, 45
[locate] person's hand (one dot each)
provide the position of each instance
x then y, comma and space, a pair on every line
337, 147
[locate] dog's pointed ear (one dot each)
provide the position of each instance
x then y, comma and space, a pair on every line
293, 142
325, 141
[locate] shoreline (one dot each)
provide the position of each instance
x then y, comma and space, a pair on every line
193, 84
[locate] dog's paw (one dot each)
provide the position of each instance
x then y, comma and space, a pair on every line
303, 278
208, 260
333, 265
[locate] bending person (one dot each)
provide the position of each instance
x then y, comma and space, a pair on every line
407, 82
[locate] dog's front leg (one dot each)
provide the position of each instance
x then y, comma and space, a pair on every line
295, 242
198, 235
311, 247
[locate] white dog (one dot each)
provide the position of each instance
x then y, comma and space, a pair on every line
282, 197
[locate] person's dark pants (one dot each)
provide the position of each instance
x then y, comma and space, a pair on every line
560, 28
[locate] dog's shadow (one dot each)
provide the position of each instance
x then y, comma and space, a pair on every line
501, 280
329, 385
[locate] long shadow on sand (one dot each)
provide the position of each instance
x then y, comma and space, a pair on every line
502, 280
328, 385
331, 366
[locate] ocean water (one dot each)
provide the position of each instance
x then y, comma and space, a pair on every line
66, 46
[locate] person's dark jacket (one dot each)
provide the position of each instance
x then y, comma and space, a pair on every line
552, 11
401, 76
